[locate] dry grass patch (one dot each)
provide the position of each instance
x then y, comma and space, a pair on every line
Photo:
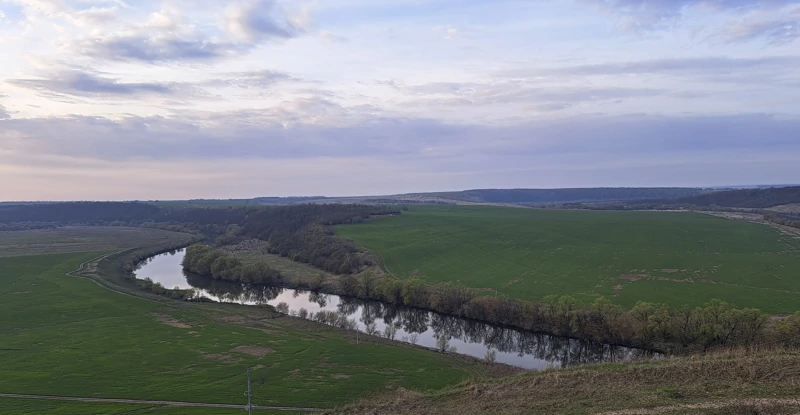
711, 382
634, 277
172, 321
256, 351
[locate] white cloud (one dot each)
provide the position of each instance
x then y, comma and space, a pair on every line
519, 91
255, 21
777, 27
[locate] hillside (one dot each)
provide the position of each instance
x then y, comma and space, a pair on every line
747, 198
743, 383
569, 195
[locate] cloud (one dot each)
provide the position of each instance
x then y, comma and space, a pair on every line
660, 14
259, 134
165, 37
706, 65
777, 27
255, 21
546, 98
735, 74
4, 115
78, 83
91, 16
252, 79
229, 154
155, 47
450, 32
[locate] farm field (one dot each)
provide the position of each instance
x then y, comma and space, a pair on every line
67, 336
678, 258
83, 239
15, 406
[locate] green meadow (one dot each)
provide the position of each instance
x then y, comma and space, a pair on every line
67, 336
15, 406
678, 258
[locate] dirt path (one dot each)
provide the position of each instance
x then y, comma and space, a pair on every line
159, 403
705, 405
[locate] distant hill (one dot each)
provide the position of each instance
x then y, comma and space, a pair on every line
747, 198
571, 195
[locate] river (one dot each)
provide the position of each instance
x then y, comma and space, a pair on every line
513, 347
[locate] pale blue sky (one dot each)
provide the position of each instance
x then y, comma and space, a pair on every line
113, 99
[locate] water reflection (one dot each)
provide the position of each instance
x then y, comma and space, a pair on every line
513, 347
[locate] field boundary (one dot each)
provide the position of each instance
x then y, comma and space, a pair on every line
160, 403
753, 218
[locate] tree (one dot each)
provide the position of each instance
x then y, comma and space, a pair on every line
415, 293
443, 343
348, 284
788, 330
490, 356
282, 308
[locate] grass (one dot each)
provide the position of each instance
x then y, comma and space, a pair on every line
738, 382
674, 257
82, 239
285, 266
67, 336
15, 406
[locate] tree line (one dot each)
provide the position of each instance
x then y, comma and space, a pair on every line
299, 232
785, 219
209, 262
747, 198
646, 325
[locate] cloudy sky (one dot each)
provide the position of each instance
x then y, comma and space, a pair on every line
124, 99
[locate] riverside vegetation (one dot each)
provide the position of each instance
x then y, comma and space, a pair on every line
647, 325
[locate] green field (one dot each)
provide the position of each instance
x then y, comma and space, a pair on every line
14, 406
83, 239
66, 336
670, 257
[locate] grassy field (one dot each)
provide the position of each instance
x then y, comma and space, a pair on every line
67, 336
728, 383
82, 239
14, 406
671, 257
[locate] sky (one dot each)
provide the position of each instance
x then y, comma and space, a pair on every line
179, 99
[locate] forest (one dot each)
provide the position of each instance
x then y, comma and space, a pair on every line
300, 232
747, 198
570, 195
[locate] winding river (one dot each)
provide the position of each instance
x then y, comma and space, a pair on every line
513, 347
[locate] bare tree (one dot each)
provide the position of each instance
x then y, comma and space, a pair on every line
282, 308
390, 331
371, 329
443, 343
